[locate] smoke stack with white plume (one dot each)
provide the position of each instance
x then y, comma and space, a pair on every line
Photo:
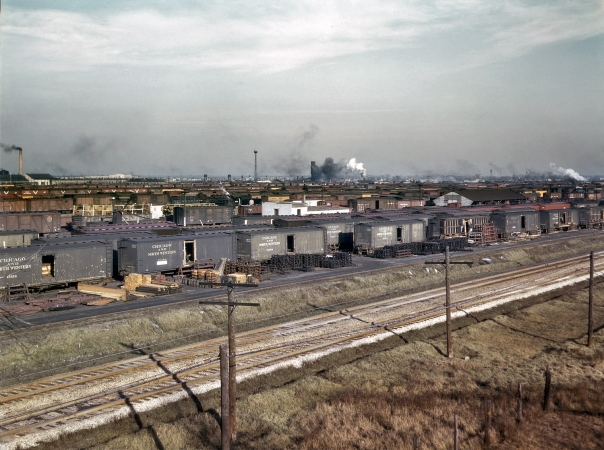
357, 167
567, 172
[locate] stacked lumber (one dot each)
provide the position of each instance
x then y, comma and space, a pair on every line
156, 289
199, 274
238, 277
132, 281
156, 278
213, 276
116, 294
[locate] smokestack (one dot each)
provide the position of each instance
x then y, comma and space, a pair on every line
229, 177
255, 165
20, 161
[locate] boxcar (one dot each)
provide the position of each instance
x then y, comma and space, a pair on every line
50, 264
508, 222
111, 239
262, 245
381, 234
17, 238
164, 254
558, 219
203, 215
339, 234
457, 224
42, 222
591, 217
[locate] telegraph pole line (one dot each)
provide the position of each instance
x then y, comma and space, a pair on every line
447, 262
232, 369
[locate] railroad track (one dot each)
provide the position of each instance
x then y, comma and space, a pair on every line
87, 397
131, 314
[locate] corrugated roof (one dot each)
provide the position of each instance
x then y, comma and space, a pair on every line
496, 195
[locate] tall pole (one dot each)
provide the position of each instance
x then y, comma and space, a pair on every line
224, 398
255, 165
590, 319
448, 302
232, 366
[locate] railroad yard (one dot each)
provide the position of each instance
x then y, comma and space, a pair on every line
103, 316
91, 397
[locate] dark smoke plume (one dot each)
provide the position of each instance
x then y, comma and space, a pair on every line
295, 163
9, 148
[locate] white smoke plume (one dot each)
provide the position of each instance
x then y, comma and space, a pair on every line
567, 172
358, 167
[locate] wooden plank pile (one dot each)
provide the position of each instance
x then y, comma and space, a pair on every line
115, 294
56, 303
238, 278
132, 281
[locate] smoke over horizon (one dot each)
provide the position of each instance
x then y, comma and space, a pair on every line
571, 173
331, 170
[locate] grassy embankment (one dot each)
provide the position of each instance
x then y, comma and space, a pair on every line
381, 396
68, 348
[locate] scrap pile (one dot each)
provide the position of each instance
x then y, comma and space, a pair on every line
253, 268
420, 248
282, 263
55, 303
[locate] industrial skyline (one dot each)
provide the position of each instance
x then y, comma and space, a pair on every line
414, 89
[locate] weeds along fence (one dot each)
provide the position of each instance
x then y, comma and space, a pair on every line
420, 248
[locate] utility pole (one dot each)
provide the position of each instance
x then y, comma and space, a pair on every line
232, 346
224, 399
447, 263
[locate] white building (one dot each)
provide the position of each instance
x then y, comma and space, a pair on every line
298, 208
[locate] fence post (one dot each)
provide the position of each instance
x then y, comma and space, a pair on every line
519, 403
224, 398
456, 441
416, 442
487, 423
546, 392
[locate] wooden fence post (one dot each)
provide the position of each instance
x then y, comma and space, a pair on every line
416, 442
546, 392
456, 441
519, 403
487, 423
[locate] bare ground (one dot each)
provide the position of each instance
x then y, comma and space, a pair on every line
383, 395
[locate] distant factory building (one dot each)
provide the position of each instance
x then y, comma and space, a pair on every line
299, 208
473, 197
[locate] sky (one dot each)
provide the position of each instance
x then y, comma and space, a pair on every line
407, 88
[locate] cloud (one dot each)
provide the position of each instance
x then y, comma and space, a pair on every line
254, 38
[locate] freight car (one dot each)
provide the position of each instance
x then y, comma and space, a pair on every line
17, 238
169, 253
591, 217
374, 235
41, 222
262, 245
203, 215
53, 264
508, 222
456, 224
558, 219
112, 239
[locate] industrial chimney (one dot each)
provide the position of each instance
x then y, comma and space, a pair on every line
20, 161
255, 165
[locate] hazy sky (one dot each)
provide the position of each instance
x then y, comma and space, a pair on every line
406, 87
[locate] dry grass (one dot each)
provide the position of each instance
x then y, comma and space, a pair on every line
160, 327
382, 396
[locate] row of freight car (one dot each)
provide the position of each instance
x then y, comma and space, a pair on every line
24, 258
56, 260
